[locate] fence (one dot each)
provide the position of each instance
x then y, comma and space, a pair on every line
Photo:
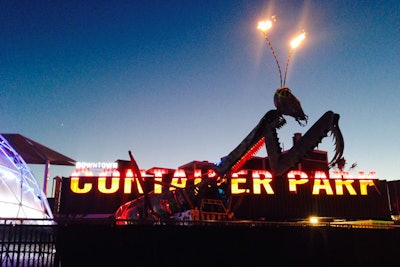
23, 244
67, 242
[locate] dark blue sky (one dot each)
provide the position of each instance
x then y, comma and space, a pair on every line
176, 81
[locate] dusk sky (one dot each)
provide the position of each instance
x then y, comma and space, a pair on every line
177, 81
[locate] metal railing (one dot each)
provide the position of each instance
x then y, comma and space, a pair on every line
30, 242
27, 243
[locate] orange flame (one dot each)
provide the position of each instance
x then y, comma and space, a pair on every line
264, 25
296, 41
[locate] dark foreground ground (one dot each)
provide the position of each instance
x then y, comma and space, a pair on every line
226, 245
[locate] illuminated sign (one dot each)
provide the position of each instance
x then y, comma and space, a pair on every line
93, 167
110, 181
96, 165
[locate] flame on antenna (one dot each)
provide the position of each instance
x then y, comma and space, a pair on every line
264, 26
293, 44
296, 41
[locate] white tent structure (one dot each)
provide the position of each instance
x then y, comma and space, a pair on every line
20, 195
35, 153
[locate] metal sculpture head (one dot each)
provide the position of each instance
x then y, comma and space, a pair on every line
285, 102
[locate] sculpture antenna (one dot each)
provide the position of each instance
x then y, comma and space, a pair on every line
287, 65
264, 26
276, 60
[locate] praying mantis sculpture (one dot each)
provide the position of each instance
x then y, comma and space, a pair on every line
163, 206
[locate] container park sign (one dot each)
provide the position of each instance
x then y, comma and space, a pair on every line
110, 181
255, 192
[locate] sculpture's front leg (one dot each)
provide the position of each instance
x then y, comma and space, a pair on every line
282, 163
